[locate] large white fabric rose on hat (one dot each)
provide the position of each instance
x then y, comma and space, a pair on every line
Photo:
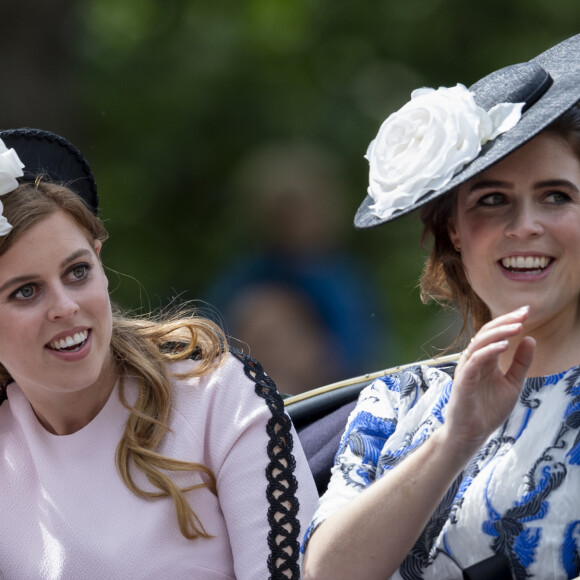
425, 143
10, 169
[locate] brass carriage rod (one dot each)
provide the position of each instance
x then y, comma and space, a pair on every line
369, 377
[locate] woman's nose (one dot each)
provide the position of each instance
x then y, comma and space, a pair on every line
63, 304
525, 221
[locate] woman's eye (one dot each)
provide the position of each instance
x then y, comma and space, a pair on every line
492, 199
557, 197
79, 271
24, 292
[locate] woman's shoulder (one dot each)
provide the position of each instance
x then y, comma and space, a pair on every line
407, 385
236, 381
418, 375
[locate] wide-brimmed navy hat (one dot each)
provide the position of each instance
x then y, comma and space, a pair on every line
547, 85
53, 158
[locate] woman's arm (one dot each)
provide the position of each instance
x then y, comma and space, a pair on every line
265, 488
372, 534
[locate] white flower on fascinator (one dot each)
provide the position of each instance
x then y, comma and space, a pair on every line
10, 169
424, 144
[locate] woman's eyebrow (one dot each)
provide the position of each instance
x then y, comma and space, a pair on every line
556, 183
489, 184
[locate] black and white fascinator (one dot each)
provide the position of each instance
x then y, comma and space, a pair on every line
443, 137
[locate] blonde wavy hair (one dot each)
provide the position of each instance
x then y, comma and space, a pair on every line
141, 348
444, 279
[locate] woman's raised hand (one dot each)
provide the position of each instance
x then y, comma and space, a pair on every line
483, 394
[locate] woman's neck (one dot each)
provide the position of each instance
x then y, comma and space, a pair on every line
68, 413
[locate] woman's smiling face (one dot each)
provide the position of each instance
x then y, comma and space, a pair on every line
517, 226
55, 313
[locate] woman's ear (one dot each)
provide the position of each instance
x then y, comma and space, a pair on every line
453, 234
98, 245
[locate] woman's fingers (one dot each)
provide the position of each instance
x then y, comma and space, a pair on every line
482, 361
522, 360
483, 394
520, 314
497, 330
486, 337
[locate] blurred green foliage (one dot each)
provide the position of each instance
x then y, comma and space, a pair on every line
171, 96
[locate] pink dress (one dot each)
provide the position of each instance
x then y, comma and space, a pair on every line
65, 513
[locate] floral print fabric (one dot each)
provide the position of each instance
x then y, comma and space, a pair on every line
519, 496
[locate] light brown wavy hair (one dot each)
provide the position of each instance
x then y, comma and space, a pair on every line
444, 279
141, 348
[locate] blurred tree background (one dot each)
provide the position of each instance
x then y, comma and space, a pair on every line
167, 98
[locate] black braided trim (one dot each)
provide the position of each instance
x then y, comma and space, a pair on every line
282, 484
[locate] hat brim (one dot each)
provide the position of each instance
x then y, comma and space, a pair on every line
53, 158
562, 95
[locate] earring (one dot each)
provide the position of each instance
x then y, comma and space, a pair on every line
457, 248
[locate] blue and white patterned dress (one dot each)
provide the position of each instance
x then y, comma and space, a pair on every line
519, 496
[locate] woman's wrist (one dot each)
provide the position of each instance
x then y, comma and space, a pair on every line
454, 449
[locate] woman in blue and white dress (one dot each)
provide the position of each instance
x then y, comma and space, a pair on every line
441, 476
